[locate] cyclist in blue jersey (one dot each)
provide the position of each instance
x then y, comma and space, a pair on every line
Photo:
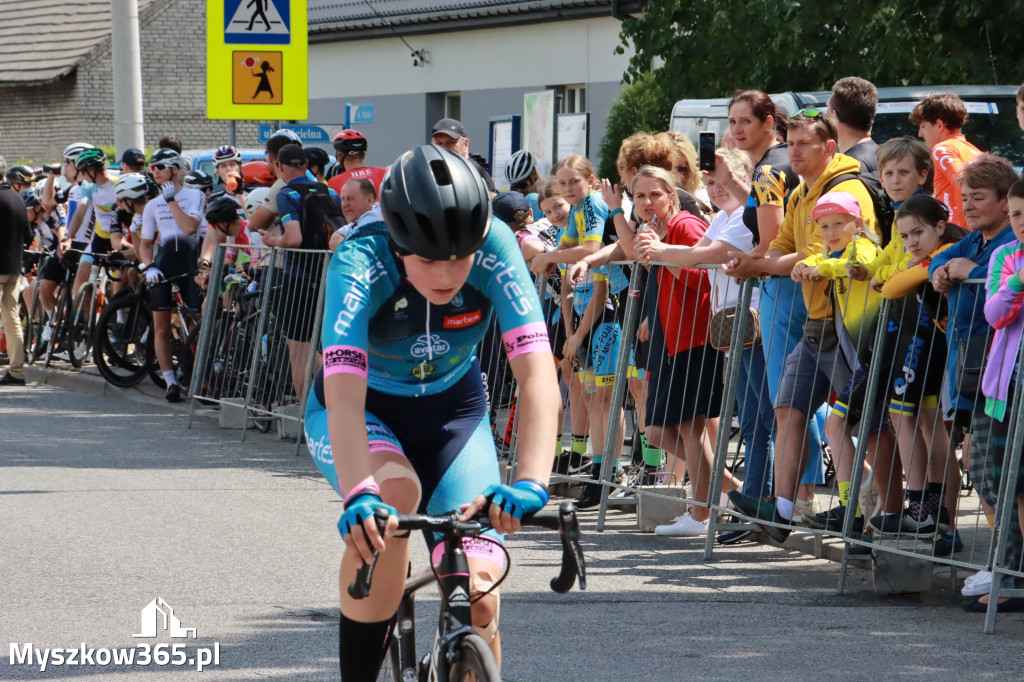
398, 417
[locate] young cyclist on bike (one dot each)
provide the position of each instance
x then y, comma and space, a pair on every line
400, 395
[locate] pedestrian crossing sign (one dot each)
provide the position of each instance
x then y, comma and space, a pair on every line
257, 22
257, 60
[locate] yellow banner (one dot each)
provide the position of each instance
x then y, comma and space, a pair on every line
257, 59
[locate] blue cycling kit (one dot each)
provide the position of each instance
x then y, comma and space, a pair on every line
425, 398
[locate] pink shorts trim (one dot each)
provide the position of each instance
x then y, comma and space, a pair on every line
480, 548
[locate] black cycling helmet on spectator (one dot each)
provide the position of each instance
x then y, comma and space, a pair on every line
168, 157
222, 210
350, 142
29, 197
519, 167
435, 204
198, 179
21, 174
90, 158
316, 157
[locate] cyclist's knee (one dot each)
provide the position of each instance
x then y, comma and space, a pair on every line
399, 484
486, 609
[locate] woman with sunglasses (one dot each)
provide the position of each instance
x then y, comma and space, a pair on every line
173, 218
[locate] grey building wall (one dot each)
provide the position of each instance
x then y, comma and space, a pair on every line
403, 121
37, 122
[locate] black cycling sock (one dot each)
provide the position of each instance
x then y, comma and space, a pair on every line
362, 647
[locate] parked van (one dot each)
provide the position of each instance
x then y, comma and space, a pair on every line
992, 125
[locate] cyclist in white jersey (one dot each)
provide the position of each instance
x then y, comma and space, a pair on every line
91, 165
174, 218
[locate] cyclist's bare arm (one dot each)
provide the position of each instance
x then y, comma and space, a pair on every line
49, 199
187, 223
345, 398
146, 251
538, 424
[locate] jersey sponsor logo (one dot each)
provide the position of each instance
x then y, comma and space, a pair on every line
458, 597
457, 301
401, 303
352, 302
460, 321
429, 344
521, 342
344, 359
320, 449
423, 370
502, 271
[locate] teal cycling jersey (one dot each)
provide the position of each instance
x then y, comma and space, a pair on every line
377, 325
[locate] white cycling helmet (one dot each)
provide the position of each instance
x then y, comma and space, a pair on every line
226, 153
519, 167
72, 151
131, 186
255, 199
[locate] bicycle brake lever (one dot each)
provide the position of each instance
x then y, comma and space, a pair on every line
360, 587
573, 565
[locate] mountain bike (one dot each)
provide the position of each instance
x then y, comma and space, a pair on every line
459, 654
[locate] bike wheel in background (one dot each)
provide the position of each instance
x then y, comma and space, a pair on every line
81, 325
473, 661
34, 323
123, 349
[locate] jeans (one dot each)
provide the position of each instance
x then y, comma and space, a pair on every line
782, 319
757, 420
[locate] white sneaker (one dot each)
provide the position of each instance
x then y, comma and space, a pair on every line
804, 508
47, 332
684, 526
978, 584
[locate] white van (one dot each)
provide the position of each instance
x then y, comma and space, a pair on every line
992, 125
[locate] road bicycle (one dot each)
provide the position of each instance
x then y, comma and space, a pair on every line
459, 654
123, 349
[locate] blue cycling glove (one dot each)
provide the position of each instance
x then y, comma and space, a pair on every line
525, 497
360, 508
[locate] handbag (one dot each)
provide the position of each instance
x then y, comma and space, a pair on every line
822, 335
971, 354
722, 323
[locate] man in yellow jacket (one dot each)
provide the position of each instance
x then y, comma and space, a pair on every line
825, 358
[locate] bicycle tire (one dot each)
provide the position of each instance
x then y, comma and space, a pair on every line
124, 357
34, 343
473, 661
81, 325
58, 324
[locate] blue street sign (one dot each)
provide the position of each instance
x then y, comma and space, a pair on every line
306, 133
257, 22
363, 114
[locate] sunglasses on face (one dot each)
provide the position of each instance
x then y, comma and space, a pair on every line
158, 167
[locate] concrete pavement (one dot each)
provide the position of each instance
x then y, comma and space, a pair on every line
107, 504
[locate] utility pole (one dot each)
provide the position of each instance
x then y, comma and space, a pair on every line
124, 34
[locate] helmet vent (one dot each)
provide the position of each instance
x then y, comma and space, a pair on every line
440, 172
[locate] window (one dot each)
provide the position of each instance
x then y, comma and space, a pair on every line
570, 99
453, 105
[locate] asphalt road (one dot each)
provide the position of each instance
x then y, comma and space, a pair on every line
107, 504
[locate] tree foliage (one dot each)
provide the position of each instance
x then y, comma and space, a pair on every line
710, 48
640, 106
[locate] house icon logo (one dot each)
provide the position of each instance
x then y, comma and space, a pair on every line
152, 621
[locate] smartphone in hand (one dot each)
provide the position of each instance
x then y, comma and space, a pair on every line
707, 151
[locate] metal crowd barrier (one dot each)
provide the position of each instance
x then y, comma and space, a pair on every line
927, 460
259, 342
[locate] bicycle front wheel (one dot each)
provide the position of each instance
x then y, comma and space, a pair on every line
34, 324
473, 661
81, 325
123, 349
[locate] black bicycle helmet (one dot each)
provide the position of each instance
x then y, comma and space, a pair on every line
222, 210
350, 142
22, 174
90, 158
519, 167
29, 197
316, 157
435, 204
198, 179
168, 157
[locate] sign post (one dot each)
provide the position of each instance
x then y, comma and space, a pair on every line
257, 59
